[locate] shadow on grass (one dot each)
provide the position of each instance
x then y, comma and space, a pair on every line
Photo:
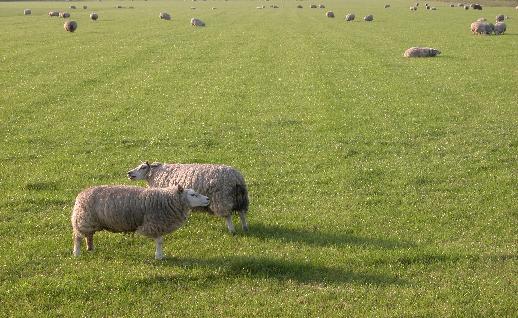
319, 238
283, 270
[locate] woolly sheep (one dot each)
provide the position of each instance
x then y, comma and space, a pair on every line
224, 185
313, 6
152, 212
321, 6
72, 7
387, 6
330, 14
85, 7
413, 8
165, 16
350, 17
197, 22
434, 8
27, 12
421, 52
368, 17
500, 18
64, 15
299, 6
500, 28
452, 5
466, 7
480, 27
94, 16
53, 14
70, 26
476, 6
481, 19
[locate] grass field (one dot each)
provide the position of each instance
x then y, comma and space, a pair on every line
379, 185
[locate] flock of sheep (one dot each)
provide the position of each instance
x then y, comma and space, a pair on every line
173, 191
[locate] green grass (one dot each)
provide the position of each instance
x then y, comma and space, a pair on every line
379, 185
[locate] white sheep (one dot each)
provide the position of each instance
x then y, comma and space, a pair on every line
481, 27
27, 12
330, 14
368, 18
53, 14
500, 28
165, 16
224, 185
350, 17
152, 212
197, 22
421, 52
64, 15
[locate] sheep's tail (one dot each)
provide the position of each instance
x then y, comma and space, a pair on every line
240, 198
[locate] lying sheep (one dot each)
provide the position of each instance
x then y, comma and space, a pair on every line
94, 16
330, 14
70, 26
27, 12
369, 17
165, 16
421, 52
152, 212
197, 22
350, 17
500, 18
53, 14
224, 185
500, 28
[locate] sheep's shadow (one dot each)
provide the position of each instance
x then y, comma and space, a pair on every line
321, 238
282, 270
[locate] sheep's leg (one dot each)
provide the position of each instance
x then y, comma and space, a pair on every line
230, 225
90, 242
159, 254
77, 243
244, 223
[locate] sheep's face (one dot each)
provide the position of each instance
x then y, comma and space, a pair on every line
140, 172
435, 52
195, 199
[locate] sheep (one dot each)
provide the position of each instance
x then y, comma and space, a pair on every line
224, 185
480, 27
53, 14
72, 7
481, 20
94, 16
27, 12
387, 6
197, 22
70, 26
313, 6
299, 6
421, 52
500, 28
64, 15
350, 17
452, 5
152, 212
500, 18
321, 6
434, 9
85, 7
368, 17
330, 14
476, 6
165, 16
413, 8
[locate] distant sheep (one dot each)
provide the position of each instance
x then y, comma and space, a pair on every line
330, 14
466, 7
387, 6
313, 6
321, 6
152, 212
500, 28
421, 52
70, 26
299, 6
85, 7
27, 12
476, 6
452, 5
64, 15
72, 7
500, 18
94, 16
224, 185
164, 16
197, 22
414, 8
481, 19
369, 17
350, 17
53, 14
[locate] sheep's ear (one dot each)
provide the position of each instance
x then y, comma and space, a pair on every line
180, 188
147, 163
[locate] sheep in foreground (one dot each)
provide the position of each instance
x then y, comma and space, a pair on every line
421, 52
197, 22
94, 16
330, 14
350, 17
152, 212
224, 185
500, 28
27, 12
368, 18
165, 16
70, 26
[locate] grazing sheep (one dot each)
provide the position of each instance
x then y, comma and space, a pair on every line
64, 15
94, 16
165, 16
368, 17
321, 6
224, 185
387, 6
500, 18
53, 14
70, 26
152, 212
480, 27
330, 14
213, 8
299, 6
27, 12
500, 28
421, 52
72, 7
197, 22
466, 7
350, 17
452, 5
476, 6
413, 8
313, 6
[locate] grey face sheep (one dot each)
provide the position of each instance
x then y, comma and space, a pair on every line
224, 185
500, 18
480, 27
152, 212
350, 17
330, 14
94, 16
27, 12
70, 26
64, 15
165, 16
421, 52
500, 28
197, 22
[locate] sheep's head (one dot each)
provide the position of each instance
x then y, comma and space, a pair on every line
193, 198
140, 172
435, 52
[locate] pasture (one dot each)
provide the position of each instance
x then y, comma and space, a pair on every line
379, 185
